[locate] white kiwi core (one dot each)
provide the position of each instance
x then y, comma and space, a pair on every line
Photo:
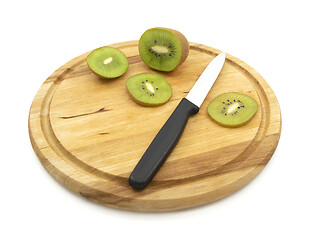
160, 49
149, 87
108, 60
233, 107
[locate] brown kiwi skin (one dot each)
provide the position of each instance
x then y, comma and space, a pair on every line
146, 104
183, 42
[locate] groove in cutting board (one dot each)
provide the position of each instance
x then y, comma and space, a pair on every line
89, 134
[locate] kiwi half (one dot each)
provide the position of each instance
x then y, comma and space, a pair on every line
149, 89
232, 109
163, 49
107, 62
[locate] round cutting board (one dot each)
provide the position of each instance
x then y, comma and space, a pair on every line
89, 134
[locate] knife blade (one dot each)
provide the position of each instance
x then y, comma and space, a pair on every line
167, 138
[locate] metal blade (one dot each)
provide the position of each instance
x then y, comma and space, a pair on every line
203, 85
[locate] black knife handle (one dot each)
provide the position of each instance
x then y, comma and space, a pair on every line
162, 145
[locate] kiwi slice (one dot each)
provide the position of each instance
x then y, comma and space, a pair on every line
149, 89
163, 49
232, 109
107, 62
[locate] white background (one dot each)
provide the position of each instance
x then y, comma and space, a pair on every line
276, 38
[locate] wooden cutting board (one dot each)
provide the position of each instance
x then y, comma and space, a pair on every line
89, 134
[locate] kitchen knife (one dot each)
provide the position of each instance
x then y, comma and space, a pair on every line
168, 136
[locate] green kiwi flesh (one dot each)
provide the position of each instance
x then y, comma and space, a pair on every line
232, 109
107, 62
149, 89
163, 49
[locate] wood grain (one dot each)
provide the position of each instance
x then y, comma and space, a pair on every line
89, 134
